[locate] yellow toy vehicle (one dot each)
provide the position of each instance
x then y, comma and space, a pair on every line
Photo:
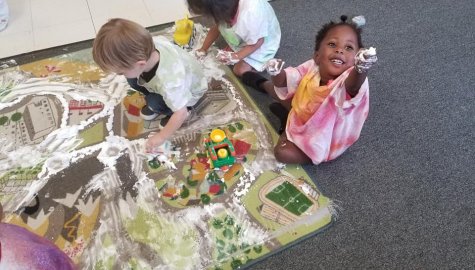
184, 33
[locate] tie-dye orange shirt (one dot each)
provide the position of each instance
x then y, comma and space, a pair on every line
309, 96
324, 121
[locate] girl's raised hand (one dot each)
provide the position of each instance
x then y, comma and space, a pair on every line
365, 59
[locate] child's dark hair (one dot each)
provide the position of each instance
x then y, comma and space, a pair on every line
328, 26
222, 11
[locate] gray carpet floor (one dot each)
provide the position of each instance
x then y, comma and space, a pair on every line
407, 188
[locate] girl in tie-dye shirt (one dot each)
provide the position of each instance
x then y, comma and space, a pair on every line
327, 96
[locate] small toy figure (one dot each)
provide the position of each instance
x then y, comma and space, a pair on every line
162, 154
184, 33
220, 150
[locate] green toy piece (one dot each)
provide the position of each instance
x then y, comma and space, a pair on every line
220, 149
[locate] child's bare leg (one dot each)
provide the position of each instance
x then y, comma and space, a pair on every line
241, 67
287, 152
268, 86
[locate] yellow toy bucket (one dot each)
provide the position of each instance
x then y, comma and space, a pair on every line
183, 32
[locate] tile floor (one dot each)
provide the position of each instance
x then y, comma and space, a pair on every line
40, 24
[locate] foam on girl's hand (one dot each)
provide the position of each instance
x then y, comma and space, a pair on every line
366, 53
226, 57
370, 51
274, 66
365, 58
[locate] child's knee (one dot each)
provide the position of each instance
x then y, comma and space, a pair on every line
290, 155
237, 71
280, 154
241, 68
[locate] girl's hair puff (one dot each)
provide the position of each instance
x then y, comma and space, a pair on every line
356, 26
222, 11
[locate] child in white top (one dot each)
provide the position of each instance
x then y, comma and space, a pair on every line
250, 28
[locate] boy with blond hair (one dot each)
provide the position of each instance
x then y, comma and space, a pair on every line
170, 78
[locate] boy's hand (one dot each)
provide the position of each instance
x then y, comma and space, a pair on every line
153, 142
274, 66
227, 58
365, 59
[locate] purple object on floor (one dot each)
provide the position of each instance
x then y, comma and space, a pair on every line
22, 249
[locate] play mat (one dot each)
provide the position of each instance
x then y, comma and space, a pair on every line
73, 170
